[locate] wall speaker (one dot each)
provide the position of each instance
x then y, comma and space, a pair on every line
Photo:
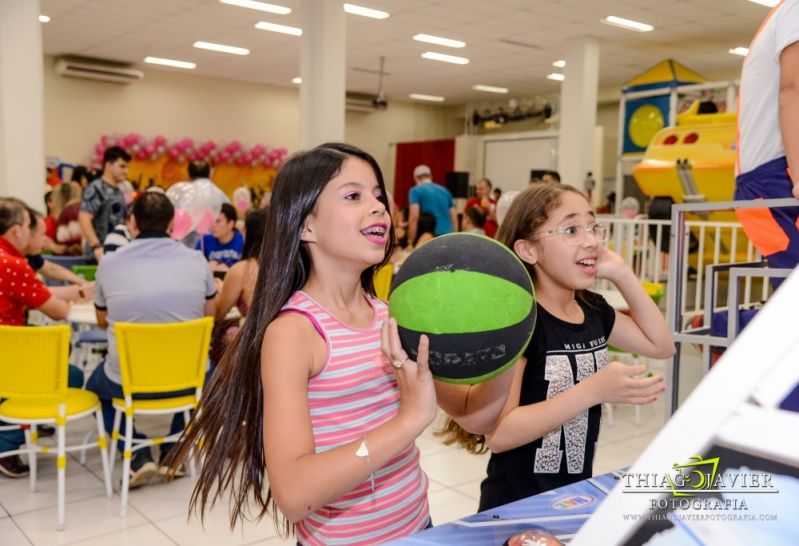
458, 183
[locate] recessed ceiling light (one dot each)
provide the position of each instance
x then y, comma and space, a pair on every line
260, 6
170, 62
769, 3
438, 40
222, 48
428, 98
559, 64
555, 76
282, 29
742, 51
296, 80
365, 12
433, 56
490, 88
627, 24
44, 19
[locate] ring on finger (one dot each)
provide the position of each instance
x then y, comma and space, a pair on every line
398, 363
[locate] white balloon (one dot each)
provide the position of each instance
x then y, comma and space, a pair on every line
209, 195
504, 204
184, 196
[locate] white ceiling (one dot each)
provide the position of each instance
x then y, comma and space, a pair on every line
697, 33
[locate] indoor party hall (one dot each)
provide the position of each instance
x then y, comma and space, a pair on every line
308, 272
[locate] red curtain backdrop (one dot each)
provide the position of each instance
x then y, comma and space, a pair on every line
439, 155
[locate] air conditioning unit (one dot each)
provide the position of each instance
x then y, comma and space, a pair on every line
95, 70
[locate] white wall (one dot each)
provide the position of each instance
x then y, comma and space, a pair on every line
78, 111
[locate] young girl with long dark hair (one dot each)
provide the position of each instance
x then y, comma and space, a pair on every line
316, 389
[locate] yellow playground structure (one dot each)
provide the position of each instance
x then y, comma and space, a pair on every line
688, 156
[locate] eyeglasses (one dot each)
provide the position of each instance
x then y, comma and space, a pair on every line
575, 235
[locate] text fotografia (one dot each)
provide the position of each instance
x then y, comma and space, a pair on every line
697, 477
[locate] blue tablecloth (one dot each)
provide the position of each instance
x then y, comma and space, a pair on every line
561, 512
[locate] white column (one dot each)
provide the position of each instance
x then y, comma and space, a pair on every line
22, 165
578, 96
323, 72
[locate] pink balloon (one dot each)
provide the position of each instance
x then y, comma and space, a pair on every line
181, 224
205, 223
141, 154
150, 149
174, 153
160, 140
224, 155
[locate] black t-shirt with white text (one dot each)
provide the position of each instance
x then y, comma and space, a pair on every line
559, 355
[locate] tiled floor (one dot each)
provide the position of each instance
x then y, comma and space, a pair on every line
158, 513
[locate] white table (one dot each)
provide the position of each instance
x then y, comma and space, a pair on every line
82, 313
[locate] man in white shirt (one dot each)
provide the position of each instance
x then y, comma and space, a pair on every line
767, 165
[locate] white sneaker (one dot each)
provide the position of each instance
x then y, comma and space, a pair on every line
142, 475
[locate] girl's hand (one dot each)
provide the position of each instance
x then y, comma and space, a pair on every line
415, 382
610, 265
617, 383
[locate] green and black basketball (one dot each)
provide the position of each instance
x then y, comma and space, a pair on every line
475, 301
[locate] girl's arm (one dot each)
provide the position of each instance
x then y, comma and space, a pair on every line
614, 383
301, 480
644, 331
231, 290
476, 408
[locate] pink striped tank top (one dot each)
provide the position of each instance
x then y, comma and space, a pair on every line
354, 393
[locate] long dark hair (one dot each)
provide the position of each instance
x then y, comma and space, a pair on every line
226, 429
529, 211
254, 225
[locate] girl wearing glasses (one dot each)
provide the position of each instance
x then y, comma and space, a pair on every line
546, 434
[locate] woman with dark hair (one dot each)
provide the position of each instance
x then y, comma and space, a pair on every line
239, 284
304, 392
425, 231
82, 175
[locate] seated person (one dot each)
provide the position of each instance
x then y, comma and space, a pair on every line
120, 236
21, 290
154, 280
239, 284
224, 245
240, 280
425, 232
67, 202
77, 289
473, 221
486, 204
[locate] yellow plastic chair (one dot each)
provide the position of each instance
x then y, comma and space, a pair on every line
382, 280
157, 358
33, 381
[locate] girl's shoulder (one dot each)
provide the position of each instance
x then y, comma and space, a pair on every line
592, 300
